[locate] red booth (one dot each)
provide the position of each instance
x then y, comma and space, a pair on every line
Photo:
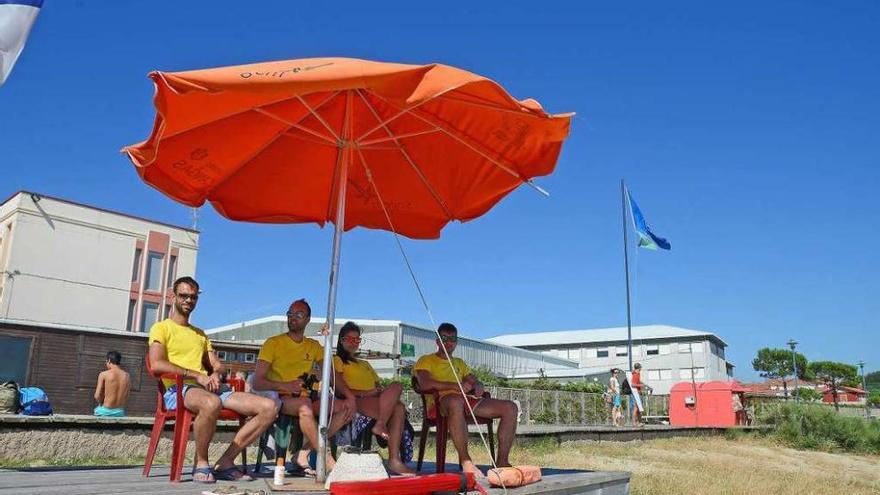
705, 404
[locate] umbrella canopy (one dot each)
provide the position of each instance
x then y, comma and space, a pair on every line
397, 147
266, 142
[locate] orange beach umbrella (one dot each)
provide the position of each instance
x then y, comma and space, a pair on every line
406, 148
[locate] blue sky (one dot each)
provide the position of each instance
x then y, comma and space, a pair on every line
747, 133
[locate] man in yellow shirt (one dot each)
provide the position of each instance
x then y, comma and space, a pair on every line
176, 346
434, 372
282, 361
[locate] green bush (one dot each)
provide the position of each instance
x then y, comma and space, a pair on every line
820, 428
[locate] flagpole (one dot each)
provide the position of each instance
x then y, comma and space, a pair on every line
629, 341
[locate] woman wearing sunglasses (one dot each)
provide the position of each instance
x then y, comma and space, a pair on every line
381, 404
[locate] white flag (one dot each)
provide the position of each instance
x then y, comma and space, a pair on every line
16, 19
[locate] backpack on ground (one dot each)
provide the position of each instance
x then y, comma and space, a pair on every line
34, 402
9, 400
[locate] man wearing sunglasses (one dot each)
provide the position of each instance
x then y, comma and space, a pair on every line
281, 364
178, 347
435, 371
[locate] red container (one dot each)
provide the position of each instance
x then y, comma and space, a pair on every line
703, 404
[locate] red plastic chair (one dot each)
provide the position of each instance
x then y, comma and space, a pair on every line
431, 417
183, 419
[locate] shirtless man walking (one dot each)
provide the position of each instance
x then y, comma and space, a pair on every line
112, 389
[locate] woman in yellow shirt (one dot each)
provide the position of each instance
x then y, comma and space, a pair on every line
381, 404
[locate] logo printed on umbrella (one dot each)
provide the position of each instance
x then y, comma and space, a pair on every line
202, 173
281, 73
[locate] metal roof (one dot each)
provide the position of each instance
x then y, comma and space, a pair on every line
599, 335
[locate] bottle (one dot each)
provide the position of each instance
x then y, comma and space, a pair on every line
278, 478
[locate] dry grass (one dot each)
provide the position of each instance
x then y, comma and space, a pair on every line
711, 465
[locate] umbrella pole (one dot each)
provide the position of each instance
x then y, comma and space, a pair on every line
327, 366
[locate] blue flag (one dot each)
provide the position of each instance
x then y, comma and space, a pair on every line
647, 239
16, 19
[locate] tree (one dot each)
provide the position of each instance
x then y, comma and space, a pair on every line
833, 375
809, 395
874, 399
872, 380
776, 363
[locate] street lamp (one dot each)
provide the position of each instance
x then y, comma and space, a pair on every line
793, 343
865, 388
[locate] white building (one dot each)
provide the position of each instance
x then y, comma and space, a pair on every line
76, 265
668, 354
403, 343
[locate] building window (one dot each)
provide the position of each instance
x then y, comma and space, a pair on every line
622, 352
149, 315
15, 353
129, 323
602, 353
154, 271
250, 357
221, 355
136, 268
685, 373
652, 350
172, 268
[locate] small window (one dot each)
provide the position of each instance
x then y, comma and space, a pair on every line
149, 315
136, 267
154, 271
221, 355
602, 353
622, 352
172, 269
250, 357
129, 323
652, 350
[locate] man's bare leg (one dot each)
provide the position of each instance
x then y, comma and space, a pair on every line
207, 407
453, 407
504, 410
262, 412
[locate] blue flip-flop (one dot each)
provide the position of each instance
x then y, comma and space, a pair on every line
206, 470
231, 474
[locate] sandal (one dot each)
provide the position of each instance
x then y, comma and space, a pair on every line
207, 475
231, 474
302, 471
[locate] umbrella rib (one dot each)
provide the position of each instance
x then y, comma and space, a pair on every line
320, 119
296, 125
268, 143
395, 138
523, 113
461, 139
408, 158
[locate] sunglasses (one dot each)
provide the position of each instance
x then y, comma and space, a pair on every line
187, 297
351, 339
448, 338
296, 314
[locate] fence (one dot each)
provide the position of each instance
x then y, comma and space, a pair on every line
555, 407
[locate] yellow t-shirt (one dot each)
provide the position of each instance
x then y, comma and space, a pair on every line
439, 369
358, 374
185, 346
288, 359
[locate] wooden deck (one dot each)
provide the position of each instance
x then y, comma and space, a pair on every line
128, 480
